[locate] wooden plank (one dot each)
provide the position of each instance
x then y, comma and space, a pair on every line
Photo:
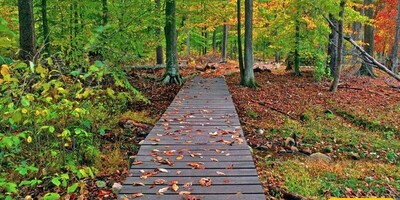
201, 147
200, 172
196, 190
244, 180
206, 164
239, 158
200, 196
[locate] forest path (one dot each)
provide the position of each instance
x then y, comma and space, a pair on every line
197, 146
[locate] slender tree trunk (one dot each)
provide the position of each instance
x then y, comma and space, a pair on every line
27, 30
248, 78
356, 33
172, 72
159, 48
214, 41
297, 47
188, 42
366, 69
395, 48
332, 47
45, 27
205, 41
105, 12
239, 40
338, 68
224, 42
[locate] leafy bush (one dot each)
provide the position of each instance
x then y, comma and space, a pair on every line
47, 129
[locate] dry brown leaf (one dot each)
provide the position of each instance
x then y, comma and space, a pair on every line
214, 159
188, 184
155, 139
175, 187
178, 172
138, 184
136, 195
184, 193
196, 165
180, 157
205, 182
159, 182
162, 170
137, 162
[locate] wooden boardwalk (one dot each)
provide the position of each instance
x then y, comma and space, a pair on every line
197, 146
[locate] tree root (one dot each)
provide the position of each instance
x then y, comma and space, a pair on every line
172, 79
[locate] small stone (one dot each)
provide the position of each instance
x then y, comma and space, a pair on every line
320, 157
282, 150
128, 124
116, 188
260, 131
355, 156
262, 148
289, 142
306, 151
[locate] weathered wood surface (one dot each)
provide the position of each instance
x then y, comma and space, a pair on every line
199, 136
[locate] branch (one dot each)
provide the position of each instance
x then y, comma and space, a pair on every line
364, 55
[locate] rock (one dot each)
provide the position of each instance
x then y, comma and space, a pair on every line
128, 124
354, 156
282, 150
116, 188
101, 184
262, 148
320, 157
260, 131
201, 68
289, 142
306, 151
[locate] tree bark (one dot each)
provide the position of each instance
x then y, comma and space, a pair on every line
45, 26
188, 42
224, 42
214, 41
395, 48
172, 72
159, 48
248, 79
332, 47
356, 34
239, 40
297, 47
366, 68
27, 30
338, 68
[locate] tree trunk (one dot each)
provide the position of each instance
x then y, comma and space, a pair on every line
188, 42
338, 68
356, 34
159, 48
105, 12
172, 72
332, 47
239, 40
224, 42
214, 41
395, 48
45, 27
205, 41
27, 30
366, 69
248, 79
297, 47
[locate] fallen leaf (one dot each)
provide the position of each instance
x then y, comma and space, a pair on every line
159, 182
184, 193
214, 159
180, 157
136, 195
188, 184
162, 190
138, 184
205, 182
137, 163
162, 170
175, 187
196, 165
178, 172
221, 173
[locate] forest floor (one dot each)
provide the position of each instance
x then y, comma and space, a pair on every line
356, 129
